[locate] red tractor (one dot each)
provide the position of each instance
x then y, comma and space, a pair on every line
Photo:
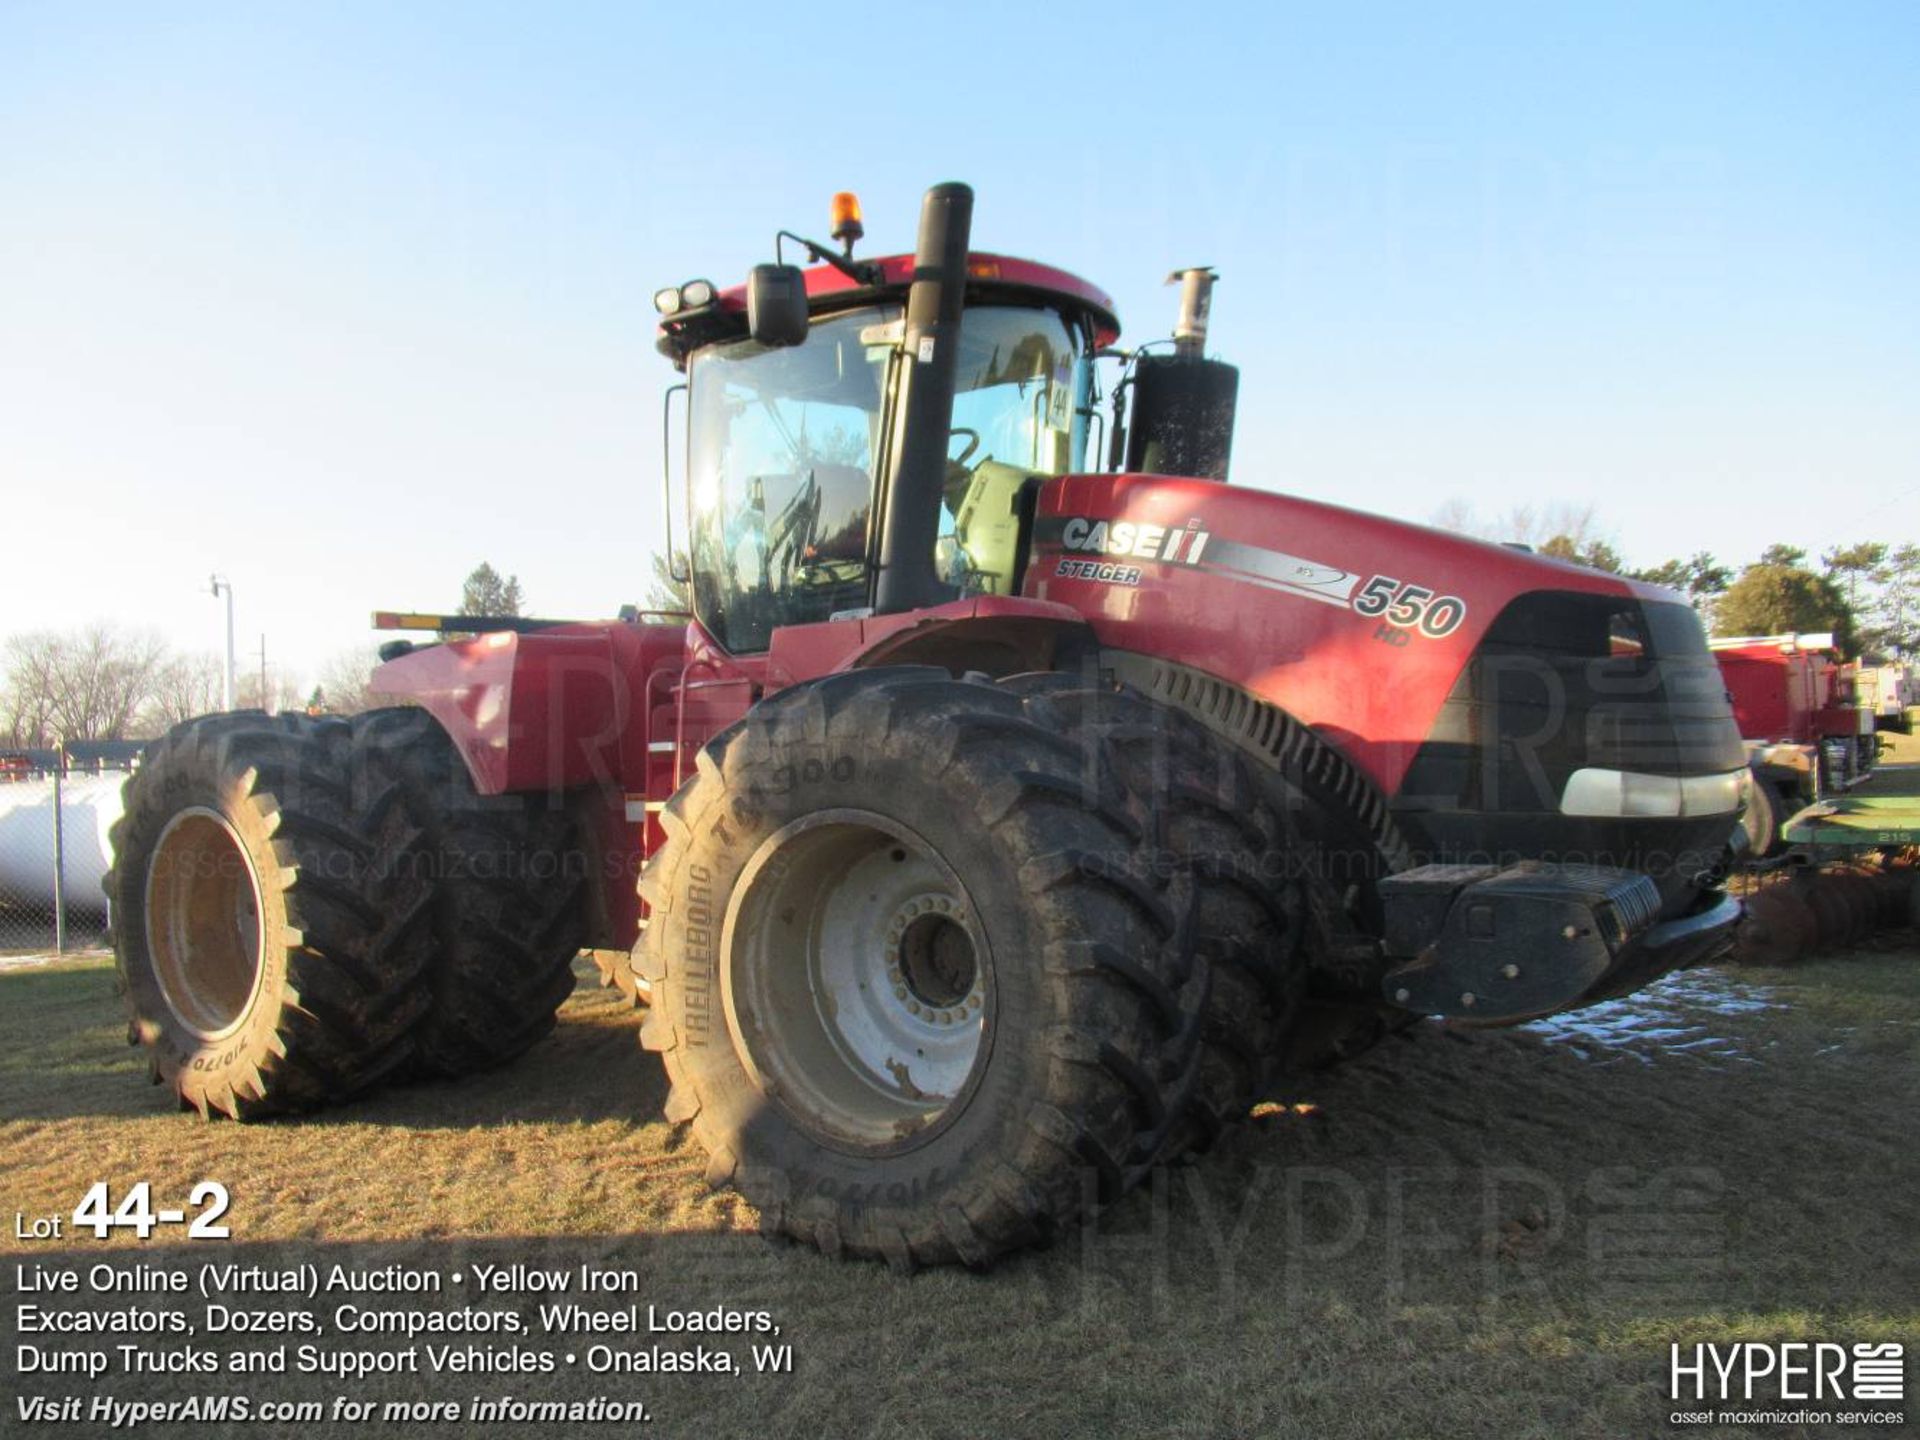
1002, 827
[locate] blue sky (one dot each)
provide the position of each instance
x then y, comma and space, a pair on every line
341, 299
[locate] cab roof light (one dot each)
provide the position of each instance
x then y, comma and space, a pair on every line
844, 215
845, 212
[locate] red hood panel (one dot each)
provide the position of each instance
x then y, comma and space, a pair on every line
1315, 608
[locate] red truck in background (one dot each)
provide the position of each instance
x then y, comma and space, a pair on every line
1807, 735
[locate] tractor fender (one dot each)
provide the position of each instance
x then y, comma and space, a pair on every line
545, 710
996, 635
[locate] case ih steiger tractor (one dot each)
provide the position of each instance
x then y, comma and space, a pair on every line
1000, 824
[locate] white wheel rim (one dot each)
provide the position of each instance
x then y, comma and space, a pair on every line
857, 981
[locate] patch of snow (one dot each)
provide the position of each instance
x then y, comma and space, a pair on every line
1672, 1014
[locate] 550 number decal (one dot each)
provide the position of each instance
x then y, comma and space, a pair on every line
1410, 606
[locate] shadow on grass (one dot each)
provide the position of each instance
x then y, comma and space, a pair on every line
590, 1069
64, 1055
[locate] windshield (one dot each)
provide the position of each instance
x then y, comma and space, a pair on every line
780, 450
783, 446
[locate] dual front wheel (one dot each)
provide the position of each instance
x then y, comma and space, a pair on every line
935, 961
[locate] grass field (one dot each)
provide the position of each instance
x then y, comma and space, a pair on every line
1491, 1234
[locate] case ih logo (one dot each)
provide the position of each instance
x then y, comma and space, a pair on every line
1174, 546
1401, 608
1800, 1369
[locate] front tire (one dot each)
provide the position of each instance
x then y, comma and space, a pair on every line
919, 983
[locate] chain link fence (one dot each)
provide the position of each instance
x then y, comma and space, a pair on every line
56, 809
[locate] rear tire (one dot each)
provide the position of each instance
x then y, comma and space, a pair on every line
271, 931
508, 891
921, 981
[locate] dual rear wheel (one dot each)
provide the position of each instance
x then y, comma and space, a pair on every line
305, 907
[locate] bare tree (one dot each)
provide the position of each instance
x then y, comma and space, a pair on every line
1572, 529
26, 702
183, 687
86, 684
283, 692
343, 683
1457, 515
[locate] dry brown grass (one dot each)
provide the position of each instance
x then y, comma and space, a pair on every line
1463, 1235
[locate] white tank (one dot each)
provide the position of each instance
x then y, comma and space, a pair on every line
89, 804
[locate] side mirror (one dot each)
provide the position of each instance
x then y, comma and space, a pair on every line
777, 304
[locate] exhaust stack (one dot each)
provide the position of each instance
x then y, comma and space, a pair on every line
1196, 303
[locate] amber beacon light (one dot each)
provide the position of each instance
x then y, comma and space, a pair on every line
846, 219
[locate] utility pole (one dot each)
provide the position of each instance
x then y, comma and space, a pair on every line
224, 586
266, 703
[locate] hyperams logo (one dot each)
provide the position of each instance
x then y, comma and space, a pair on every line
1752, 1382
1403, 608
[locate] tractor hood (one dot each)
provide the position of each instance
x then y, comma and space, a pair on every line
1492, 670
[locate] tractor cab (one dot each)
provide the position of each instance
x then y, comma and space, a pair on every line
811, 470
786, 447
